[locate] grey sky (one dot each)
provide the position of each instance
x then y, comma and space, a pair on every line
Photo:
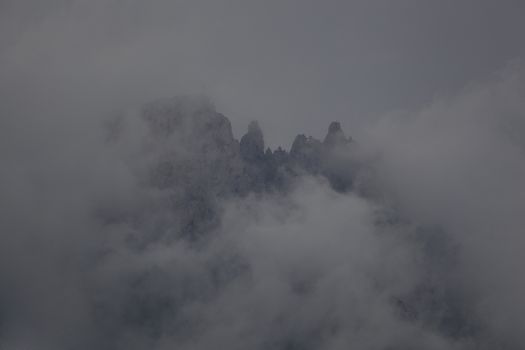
289, 64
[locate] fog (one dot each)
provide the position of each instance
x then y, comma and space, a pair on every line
423, 253
460, 166
283, 63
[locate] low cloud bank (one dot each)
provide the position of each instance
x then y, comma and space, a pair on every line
423, 252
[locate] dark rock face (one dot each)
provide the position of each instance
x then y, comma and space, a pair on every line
193, 158
335, 137
306, 153
252, 144
213, 158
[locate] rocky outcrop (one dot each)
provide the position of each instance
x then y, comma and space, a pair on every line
252, 144
190, 154
188, 161
335, 137
306, 153
211, 155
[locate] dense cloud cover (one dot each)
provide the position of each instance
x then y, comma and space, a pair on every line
284, 63
128, 224
164, 231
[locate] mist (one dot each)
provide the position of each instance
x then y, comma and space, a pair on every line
137, 213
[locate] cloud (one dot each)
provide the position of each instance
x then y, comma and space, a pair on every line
282, 63
459, 164
88, 257
92, 256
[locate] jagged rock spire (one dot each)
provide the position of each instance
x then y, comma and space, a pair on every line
218, 161
306, 152
335, 136
252, 143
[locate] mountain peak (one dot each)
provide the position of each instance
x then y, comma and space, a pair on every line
252, 143
334, 127
335, 136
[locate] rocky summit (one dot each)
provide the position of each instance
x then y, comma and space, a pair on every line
190, 155
204, 138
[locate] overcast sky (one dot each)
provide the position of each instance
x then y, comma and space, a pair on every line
293, 65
